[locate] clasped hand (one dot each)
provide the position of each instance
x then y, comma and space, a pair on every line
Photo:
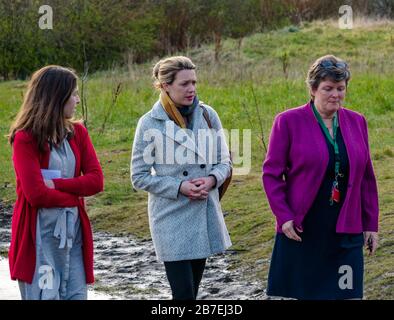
197, 189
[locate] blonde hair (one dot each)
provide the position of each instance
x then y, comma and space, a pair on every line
328, 67
166, 69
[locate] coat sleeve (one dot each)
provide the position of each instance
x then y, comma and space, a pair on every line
28, 171
140, 171
274, 168
369, 192
92, 181
222, 169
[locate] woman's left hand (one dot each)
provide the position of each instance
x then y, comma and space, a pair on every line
371, 241
49, 184
204, 183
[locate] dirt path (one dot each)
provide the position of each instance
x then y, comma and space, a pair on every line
9, 289
126, 268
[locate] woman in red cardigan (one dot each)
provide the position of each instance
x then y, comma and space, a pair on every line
51, 252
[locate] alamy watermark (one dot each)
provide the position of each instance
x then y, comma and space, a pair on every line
46, 280
46, 20
346, 17
345, 281
206, 146
345, 20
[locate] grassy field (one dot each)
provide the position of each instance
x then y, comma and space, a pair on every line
245, 81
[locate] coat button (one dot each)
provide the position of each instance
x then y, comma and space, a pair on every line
202, 166
185, 173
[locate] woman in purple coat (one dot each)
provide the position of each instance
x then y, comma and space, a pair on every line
320, 184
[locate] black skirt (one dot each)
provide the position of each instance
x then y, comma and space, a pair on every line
325, 265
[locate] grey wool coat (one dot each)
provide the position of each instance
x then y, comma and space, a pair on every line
163, 156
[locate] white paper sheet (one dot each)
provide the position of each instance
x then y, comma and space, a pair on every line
51, 174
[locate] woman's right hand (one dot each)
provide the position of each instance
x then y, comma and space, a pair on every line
191, 191
288, 230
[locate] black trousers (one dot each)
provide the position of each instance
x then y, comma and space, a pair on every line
184, 277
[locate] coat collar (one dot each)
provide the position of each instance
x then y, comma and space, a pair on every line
308, 109
159, 113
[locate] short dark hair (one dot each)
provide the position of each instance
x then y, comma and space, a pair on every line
327, 67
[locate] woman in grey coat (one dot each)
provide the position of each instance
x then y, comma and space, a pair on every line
180, 158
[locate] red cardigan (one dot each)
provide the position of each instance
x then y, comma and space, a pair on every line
33, 194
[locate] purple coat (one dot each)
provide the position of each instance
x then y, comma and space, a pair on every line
298, 151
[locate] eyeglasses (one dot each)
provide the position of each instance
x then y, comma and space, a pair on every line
327, 64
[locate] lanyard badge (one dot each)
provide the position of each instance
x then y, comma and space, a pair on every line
335, 194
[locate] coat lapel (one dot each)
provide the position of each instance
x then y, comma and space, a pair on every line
348, 140
316, 137
346, 134
171, 129
198, 119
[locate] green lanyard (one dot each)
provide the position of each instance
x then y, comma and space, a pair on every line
333, 141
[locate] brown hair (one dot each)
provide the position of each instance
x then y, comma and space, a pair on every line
166, 69
328, 67
42, 111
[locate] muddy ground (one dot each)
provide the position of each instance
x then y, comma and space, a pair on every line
126, 268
